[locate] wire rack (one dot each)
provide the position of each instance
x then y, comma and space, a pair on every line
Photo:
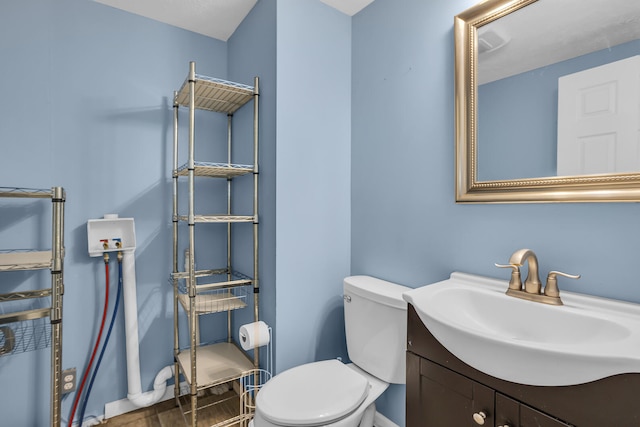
250, 385
24, 259
222, 219
208, 365
252, 382
215, 94
215, 301
25, 192
24, 336
216, 170
218, 294
23, 326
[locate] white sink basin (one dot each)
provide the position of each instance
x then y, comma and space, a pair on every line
586, 339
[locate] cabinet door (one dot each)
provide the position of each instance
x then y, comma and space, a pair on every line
510, 413
507, 411
529, 417
439, 397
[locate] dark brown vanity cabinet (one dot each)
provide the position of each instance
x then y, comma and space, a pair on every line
443, 398
443, 391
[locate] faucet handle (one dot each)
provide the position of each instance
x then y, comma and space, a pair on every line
515, 282
551, 289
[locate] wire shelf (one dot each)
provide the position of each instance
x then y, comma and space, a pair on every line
219, 275
27, 335
216, 363
217, 300
220, 219
22, 295
13, 260
223, 294
215, 170
204, 273
218, 405
215, 94
26, 192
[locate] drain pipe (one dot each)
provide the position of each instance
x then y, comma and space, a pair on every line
135, 394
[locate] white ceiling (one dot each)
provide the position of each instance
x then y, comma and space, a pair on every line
550, 31
350, 7
213, 18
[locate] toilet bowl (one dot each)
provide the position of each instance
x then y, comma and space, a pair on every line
326, 393
331, 393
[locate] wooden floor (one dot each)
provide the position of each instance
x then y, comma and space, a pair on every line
214, 409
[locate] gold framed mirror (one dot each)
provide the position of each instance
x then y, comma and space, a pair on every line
548, 185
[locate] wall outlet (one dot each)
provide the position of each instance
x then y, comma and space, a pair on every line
68, 380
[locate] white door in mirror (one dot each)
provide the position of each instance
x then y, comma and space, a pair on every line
599, 119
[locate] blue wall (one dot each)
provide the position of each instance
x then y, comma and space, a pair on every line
88, 107
91, 111
526, 105
312, 185
406, 226
251, 53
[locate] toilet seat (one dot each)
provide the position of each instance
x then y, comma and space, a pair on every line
313, 394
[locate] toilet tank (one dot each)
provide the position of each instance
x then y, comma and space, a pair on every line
375, 317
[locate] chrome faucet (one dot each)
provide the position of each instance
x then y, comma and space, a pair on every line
532, 289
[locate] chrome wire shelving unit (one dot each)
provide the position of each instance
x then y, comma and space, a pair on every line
221, 289
27, 329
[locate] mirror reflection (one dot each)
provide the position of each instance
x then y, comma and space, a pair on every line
558, 90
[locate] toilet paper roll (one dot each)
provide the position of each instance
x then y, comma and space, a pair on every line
254, 335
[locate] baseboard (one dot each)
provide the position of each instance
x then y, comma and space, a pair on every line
380, 420
122, 406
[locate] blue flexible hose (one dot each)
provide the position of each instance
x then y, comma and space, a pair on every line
104, 345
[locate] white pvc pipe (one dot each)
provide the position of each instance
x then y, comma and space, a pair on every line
135, 394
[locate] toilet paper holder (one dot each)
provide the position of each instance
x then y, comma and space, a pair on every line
254, 335
252, 381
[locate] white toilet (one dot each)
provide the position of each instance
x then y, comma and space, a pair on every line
331, 393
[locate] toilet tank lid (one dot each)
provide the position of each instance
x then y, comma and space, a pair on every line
377, 290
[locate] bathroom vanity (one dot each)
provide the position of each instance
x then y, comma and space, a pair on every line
443, 391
